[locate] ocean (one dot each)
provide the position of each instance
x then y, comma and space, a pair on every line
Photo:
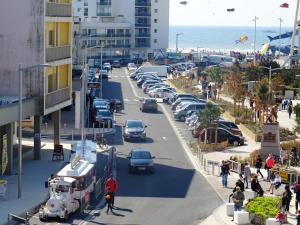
223, 38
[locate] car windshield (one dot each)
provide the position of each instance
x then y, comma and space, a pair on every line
61, 188
134, 124
141, 155
104, 113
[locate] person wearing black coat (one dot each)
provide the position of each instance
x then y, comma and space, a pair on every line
289, 197
255, 186
258, 165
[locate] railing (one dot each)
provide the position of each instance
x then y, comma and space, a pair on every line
143, 3
142, 35
103, 14
142, 14
58, 9
105, 35
58, 53
143, 25
57, 97
142, 45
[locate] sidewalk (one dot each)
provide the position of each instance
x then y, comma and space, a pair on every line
35, 173
283, 116
219, 215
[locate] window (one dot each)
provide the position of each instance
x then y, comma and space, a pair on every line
86, 3
51, 38
155, 20
155, 30
86, 12
155, 10
52, 83
155, 40
79, 0
79, 10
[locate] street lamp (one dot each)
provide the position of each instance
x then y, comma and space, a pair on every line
177, 34
254, 44
270, 78
20, 71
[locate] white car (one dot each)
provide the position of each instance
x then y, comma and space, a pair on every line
106, 66
161, 93
131, 67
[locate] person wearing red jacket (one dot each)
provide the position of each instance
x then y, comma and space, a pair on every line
111, 187
270, 163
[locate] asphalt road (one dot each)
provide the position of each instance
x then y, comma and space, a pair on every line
175, 194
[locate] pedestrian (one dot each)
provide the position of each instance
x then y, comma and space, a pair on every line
270, 162
224, 173
282, 104
111, 69
296, 188
283, 202
108, 199
238, 198
290, 110
247, 173
285, 103
256, 187
289, 197
238, 183
258, 166
111, 187
275, 183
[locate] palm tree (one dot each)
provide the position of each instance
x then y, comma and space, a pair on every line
215, 75
262, 99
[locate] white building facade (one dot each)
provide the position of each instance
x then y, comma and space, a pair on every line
124, 28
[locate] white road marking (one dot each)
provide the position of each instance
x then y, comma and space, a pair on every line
126, 100
164, 138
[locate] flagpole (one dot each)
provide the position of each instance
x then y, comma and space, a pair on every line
280, 21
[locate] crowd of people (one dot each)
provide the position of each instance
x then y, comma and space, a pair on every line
243, 181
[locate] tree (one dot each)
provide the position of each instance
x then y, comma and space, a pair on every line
262, 98
210, 113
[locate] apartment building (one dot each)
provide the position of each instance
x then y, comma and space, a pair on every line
37, 34
125, 29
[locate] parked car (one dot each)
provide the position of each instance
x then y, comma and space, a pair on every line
147, 82
183, 103
134, 129
191, 117
181, 95
154, 86
116, 64
140, 82
223, 135
140, 159
103, 74
179, 100
106, 66
181, 114
104, 118
131, 66
161, 92
148, 104
140, 75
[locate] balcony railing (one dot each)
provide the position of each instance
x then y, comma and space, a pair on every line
142, 25
143, 14
105, 35
143, 3
103, 14
58, 9
142, 35
57, 97
58, 53
142, 45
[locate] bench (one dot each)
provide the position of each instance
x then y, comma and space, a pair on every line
58, 153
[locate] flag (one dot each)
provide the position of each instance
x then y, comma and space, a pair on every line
183, 2
230, 10
284, 5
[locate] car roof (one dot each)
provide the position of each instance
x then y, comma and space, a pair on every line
140, 150
134, 121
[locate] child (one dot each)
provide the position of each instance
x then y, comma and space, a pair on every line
108, 200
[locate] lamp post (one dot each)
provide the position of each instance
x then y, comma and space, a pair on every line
21, 68
280, 21
177, 35
254, 44
270, 80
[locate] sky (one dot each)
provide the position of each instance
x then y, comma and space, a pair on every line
214, 12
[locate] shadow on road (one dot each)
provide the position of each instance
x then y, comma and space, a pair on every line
113, 90
166, 182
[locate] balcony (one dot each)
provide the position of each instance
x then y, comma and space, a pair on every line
142, 25
58, 9
104, 2
58, 53
143, 3
146, 14
142, 35
117, 46
142, 45
103, 14
106, 35
57, 97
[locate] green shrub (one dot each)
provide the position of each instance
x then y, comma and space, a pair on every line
263, 206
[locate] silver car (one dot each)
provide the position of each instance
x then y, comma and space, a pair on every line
140, 160
134, 129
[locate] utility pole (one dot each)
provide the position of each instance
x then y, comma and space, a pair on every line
280, 21
254, 44
177, 34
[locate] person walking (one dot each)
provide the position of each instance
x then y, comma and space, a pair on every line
289, 197
108, 199
238, 198
111, 187
270, 162
247, 173
290, 110
224, 173
256, 187
258, 166
296, 188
